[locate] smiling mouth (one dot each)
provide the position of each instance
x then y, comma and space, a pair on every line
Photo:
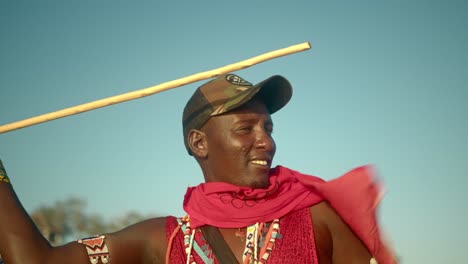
260, 162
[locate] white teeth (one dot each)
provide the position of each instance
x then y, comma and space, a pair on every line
259, 162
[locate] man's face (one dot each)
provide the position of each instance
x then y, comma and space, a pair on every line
240, 146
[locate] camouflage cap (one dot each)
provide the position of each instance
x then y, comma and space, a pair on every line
229, 91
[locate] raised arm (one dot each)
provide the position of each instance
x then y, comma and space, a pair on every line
21, 241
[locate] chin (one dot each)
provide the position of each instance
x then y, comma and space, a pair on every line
262, 184
256, 179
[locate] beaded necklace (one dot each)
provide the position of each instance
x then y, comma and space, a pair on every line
253, 242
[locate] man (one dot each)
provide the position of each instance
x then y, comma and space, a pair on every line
245, 212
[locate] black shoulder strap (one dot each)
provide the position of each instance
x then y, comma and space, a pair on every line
219, 246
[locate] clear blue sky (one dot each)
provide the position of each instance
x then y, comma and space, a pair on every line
385, 83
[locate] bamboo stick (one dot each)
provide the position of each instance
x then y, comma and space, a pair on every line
154, 89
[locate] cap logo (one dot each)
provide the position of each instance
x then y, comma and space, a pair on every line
234, 79
241, 88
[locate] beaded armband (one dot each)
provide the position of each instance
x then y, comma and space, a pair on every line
96, 248
3, 174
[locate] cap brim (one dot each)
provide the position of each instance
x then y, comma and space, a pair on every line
275, 92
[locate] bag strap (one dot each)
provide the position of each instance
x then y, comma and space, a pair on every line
219, 246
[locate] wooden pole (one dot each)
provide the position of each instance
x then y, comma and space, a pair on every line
154, 89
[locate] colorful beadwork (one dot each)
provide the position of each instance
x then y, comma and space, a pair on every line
96, 248
3, 174
256, 239
188, 239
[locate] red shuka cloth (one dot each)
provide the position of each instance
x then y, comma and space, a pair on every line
294, 244
354, 196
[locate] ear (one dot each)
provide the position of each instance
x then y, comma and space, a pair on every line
197, 143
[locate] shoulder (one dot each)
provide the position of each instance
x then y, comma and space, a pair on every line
325, 217
321, 215
334, 239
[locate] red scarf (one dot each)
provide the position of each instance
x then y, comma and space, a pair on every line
354, 196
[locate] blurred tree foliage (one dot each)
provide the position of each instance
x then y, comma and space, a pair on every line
68, 220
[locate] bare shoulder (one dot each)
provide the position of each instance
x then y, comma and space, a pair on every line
323, 240
144, 242
324, 214
335, 240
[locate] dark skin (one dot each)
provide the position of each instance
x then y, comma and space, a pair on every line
236, 147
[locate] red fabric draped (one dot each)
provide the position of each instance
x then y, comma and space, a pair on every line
354, 196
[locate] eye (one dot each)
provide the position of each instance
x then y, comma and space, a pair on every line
245, 129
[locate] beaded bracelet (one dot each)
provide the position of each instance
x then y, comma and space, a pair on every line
96, 248
3, 174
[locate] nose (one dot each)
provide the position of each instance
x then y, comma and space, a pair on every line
263, 140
